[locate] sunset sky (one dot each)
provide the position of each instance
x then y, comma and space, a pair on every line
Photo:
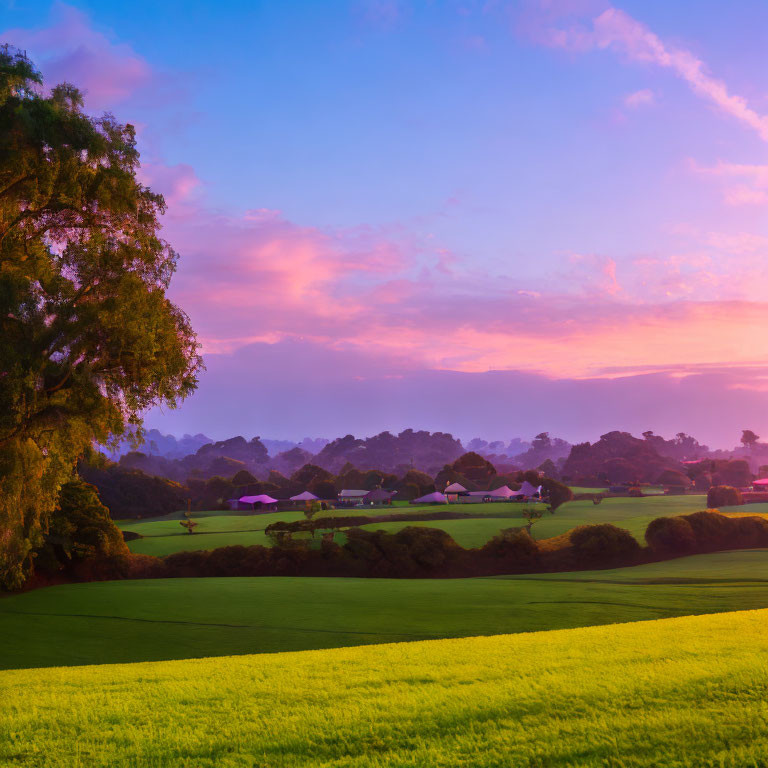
487, 218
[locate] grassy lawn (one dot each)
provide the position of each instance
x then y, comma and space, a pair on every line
164, 536
685, 692
472, 532
124, 621
629, 513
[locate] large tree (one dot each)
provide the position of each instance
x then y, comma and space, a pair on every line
88, 338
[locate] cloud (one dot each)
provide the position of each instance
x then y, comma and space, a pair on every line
261, 278
262, 389
361, 300
615, 30
640, 98
743, 184
69, 48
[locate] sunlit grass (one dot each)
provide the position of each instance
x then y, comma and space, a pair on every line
181, 618
686, 692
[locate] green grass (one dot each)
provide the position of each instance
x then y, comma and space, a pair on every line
629, 513
580, 489
469, 533
124, 621
686, 692
164, 536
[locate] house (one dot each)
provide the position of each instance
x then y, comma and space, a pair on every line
473, 497
505, 492
431, 498
306, 496
454, 490
262, 502
350, 497
377, 497
529, 491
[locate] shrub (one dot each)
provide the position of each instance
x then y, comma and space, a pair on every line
187, 564
671, 536
751, 531
674, 478
603, 544
228, 561
427, 547
557, 492
514, 545
723, 496
713, 531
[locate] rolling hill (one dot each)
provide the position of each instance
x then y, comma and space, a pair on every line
685, 692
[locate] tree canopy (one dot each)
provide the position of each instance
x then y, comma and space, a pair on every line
88, 338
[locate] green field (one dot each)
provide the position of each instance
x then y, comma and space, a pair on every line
629, 513
164, 536
686, 692
118, 621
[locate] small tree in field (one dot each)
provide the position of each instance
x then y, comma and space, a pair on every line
190, 525
532, 515
311, 508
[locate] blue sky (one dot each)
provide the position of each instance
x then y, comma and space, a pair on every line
512, 186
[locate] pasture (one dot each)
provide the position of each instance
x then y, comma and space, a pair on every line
685, 692
164, 536
629, 513
122, 621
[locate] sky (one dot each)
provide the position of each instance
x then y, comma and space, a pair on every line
482, 217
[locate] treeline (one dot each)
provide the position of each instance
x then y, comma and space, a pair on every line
131, 493
410, 449
417, 552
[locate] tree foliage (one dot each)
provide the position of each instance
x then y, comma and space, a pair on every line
88, 338
79, 528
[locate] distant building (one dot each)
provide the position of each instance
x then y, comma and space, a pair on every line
260, 503
350, 497
432, 498
378, 497
306, 496
453, 491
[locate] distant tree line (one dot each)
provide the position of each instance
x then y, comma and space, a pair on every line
131, 493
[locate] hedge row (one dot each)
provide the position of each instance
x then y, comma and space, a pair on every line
418, 552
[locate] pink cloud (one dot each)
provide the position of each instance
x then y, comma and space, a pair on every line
179, 184
618, 31
70, 48
743, 184
259, 278
640, 98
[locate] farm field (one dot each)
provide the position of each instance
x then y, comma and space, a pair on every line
122, 621
685, 692
164, 536
631, 514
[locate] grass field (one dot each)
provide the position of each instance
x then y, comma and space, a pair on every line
183, 618
164, 536
629, 513
686, 692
